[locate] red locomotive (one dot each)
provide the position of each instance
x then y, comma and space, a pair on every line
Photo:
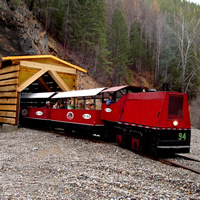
138, 119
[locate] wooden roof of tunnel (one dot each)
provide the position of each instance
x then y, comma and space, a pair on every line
42, 64
17, 73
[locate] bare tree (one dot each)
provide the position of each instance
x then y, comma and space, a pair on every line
111, 6
160, 30
185, 32
66, 23
133, 12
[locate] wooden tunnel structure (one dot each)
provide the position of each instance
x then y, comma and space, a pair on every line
41, 73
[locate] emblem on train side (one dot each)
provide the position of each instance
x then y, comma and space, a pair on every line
39, 113
86, 116
24, 112
70, 115
108, 110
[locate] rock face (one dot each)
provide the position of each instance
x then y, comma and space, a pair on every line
20, 33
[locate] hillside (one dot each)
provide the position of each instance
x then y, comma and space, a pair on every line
22, 34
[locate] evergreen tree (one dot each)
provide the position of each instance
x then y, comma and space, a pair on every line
97, 31
119, 46
137, 48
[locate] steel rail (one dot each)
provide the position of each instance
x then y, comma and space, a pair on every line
177, 165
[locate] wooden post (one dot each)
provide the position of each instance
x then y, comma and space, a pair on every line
18, 109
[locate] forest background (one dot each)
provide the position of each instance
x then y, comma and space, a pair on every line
117, 41
113, 38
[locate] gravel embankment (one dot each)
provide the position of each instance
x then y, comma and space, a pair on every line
41, 165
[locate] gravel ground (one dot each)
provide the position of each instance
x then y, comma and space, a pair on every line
42, 165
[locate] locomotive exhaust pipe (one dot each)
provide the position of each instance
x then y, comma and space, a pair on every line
165, 87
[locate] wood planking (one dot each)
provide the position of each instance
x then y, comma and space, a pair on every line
8, 101
9, 69
8, 120
9, 82
8, 94
8, 88
9, 75
8, 107
7, 114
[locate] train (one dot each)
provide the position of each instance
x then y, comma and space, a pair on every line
136, 118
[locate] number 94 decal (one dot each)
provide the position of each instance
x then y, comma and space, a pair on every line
182, 136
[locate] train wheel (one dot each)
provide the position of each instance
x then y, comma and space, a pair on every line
119, 138
136, 141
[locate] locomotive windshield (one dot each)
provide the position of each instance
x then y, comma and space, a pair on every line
119, 91
175, 110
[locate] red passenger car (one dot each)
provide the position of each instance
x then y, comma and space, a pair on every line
34, 110
84, 117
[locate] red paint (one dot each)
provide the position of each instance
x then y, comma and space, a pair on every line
85, 117
151, 109
146, 109
116, 110
39, 113
92, 117
141, 109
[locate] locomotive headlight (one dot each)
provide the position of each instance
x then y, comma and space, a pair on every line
175, 123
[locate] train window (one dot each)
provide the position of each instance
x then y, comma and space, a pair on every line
120, 94
33, 103
175, 110
135, 90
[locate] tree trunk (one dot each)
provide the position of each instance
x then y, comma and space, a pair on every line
31, 5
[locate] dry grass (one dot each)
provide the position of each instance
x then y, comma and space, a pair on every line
142, 80
195, 112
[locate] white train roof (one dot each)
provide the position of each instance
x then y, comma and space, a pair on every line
41, 95
79, 93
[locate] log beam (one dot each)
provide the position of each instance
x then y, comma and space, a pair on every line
44, 85
59, 80
56, 68
32, 79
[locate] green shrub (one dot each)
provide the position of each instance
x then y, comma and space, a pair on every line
18, 2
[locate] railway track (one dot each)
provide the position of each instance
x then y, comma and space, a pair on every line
172, 163
188, 158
